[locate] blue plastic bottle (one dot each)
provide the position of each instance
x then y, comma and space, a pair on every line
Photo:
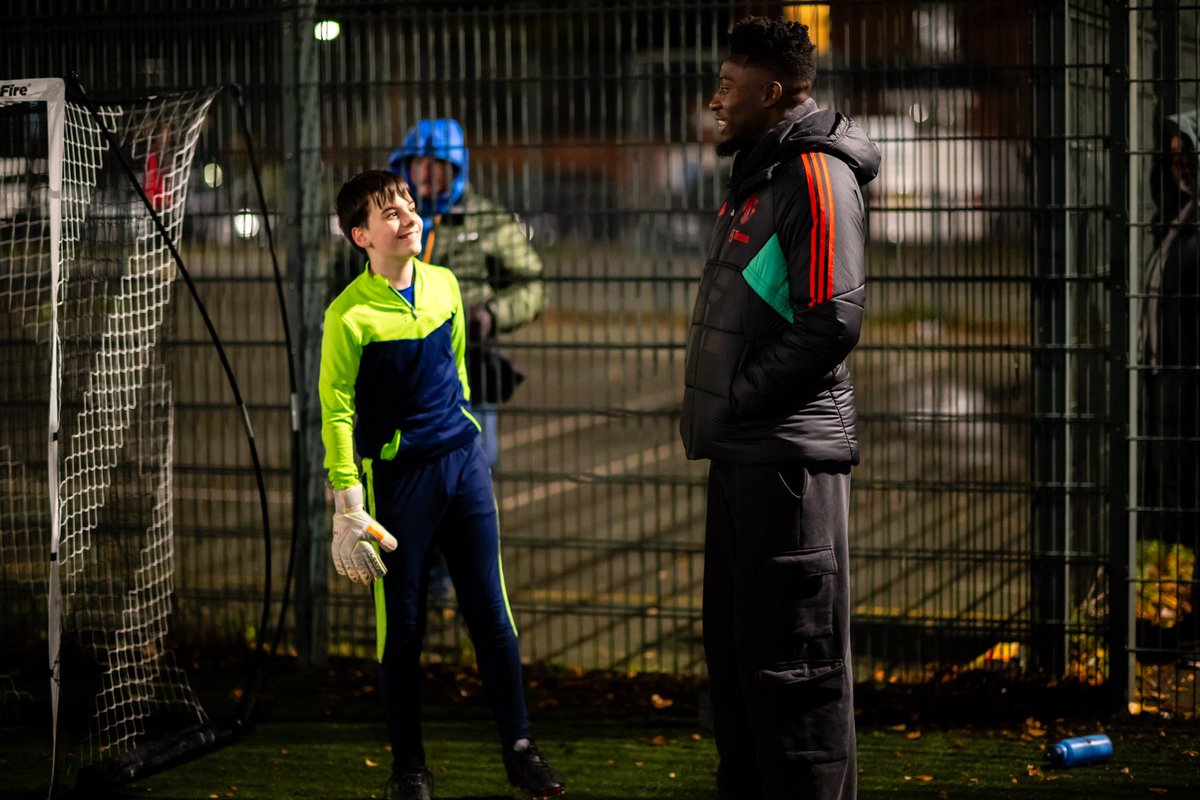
1080, 750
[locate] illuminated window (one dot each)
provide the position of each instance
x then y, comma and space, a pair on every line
816, 17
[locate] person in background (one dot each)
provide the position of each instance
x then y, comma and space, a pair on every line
769, 401
394, 393
1169, 339
490, 253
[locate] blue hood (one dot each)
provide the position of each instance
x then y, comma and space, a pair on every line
437, 138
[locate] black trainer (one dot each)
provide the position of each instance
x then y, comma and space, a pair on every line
528, 769
415, 785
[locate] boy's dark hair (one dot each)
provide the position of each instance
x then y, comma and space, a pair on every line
778, 46
354, 200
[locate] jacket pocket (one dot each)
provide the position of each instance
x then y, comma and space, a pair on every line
733, 380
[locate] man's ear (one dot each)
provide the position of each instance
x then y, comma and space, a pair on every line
772, 94
360, 237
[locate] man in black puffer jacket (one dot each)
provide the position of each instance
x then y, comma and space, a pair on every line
769, 400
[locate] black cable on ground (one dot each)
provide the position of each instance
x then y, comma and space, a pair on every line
254, 689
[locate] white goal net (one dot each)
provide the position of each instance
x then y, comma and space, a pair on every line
86, 547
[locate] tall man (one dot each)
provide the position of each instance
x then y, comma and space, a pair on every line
768, 400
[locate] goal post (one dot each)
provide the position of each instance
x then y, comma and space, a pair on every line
86, 278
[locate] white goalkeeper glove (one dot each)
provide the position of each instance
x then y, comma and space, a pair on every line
353, 532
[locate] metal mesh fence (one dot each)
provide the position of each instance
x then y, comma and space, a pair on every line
1164, 257
1001, 455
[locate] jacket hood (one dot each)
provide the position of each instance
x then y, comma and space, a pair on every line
435, 138
1169, 197
808, 129
1189, 125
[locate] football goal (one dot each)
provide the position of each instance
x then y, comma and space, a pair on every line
86, 535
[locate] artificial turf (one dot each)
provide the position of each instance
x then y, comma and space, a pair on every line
324, 739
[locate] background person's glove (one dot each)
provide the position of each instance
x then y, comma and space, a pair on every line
353, 531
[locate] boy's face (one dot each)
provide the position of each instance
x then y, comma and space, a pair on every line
392, 231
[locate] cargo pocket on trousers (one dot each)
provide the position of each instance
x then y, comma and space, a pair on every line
799, 588
807, 709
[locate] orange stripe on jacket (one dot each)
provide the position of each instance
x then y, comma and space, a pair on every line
831, 209
816, 214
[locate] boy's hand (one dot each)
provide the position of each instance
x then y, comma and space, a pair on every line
352, 525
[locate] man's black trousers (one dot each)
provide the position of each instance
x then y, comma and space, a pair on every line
777, 630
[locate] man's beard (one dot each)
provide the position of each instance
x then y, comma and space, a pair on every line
731, 146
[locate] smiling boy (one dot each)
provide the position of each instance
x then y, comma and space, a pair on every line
394, 390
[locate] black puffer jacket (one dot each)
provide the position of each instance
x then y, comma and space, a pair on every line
781, 300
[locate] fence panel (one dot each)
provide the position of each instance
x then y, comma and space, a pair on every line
983, 524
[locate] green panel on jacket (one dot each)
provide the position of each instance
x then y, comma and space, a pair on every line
768, 276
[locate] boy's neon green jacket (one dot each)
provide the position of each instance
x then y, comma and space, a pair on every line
399, 368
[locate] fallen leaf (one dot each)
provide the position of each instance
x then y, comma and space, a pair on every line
913, 735
899, 727
658, 701
1158, 790
658, 740
370, 763
924, 778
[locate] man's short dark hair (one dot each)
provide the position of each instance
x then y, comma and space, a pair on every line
354, 200
779, 47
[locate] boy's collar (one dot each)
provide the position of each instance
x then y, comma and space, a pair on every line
377, 276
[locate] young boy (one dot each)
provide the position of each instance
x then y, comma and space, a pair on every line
392, 354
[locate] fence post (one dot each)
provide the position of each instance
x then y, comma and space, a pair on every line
303, 223
1122, 59
1048, 451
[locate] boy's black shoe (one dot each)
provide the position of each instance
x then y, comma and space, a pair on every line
528, 769
415, 785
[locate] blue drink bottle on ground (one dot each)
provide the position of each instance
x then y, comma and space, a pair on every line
1080, 750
